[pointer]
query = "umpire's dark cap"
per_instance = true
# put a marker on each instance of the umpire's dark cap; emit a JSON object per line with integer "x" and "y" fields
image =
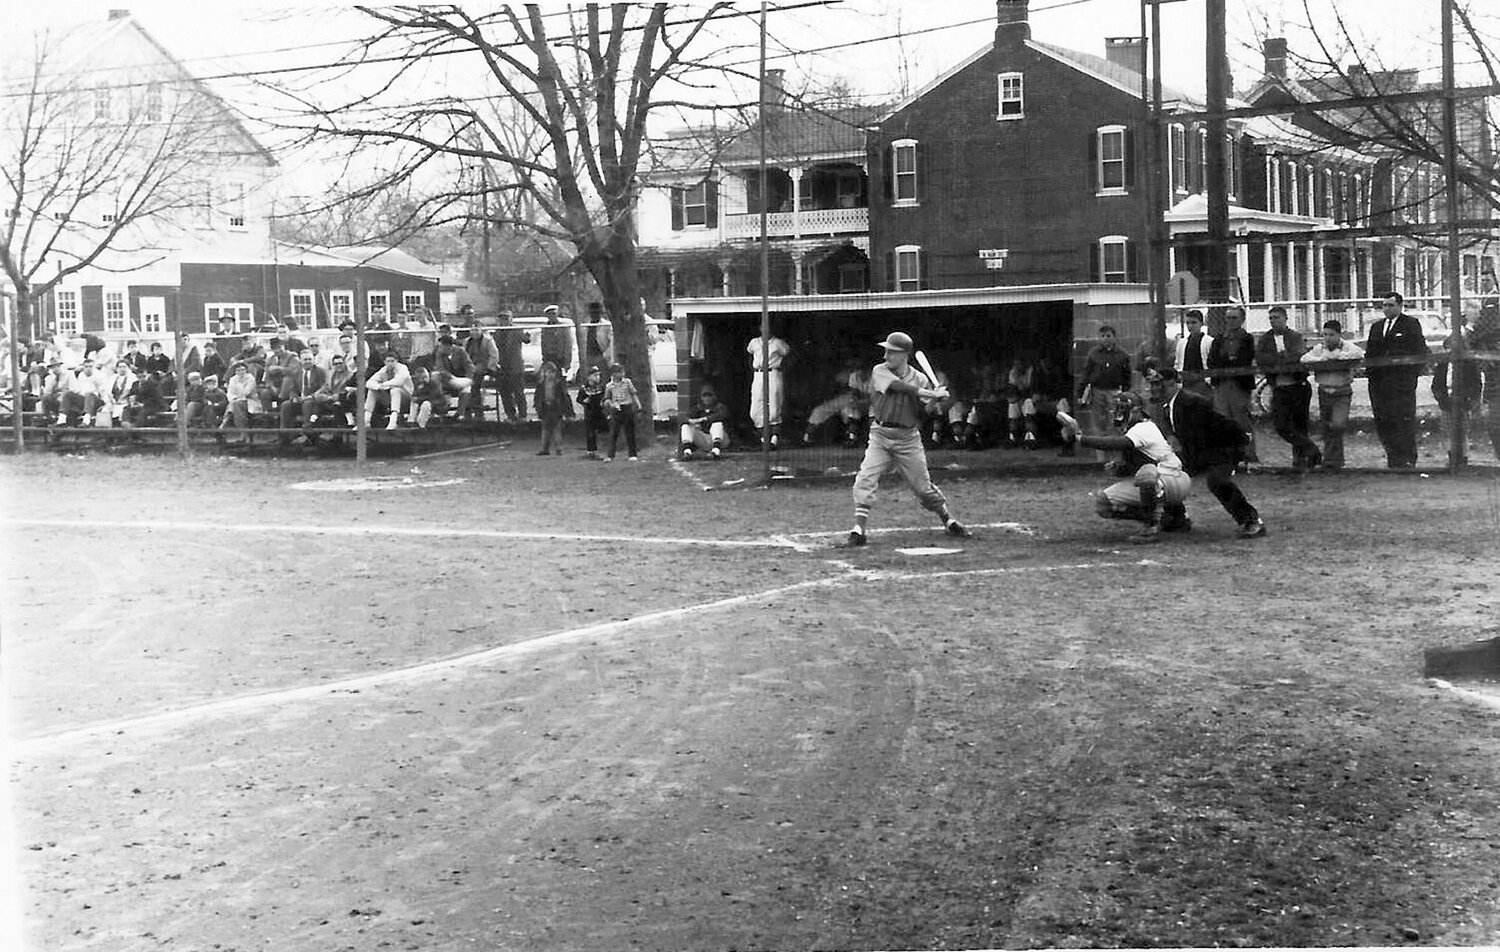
{"x": 896, "y": 340}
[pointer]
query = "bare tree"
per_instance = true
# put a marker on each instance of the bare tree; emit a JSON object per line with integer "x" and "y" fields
{"x": 98, "y": 173}
{"x": 543, "y": 122}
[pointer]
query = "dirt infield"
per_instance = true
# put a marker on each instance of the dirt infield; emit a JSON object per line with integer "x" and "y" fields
{"x": 532, "y": 703}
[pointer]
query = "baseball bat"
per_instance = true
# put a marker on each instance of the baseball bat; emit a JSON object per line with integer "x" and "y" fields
{"x": 926, "y": 366}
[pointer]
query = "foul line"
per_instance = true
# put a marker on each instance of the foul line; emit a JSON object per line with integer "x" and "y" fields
{"x": 1474, "y": 697}
{"x": 501, "y": 444}
{"x": 1018, "y": 527}
{"x": 683, "y": 471}
{"x": 48, "y": 743}
{"x": 773, "y": 543}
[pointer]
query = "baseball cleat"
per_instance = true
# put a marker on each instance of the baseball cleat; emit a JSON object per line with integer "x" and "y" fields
{"x": 957, "y": 529}
{"x": 1254, "y": 529}
{"x": 854, "y": 540}
{"x": 687, "y": 453}
{"x": 715, "y": 453}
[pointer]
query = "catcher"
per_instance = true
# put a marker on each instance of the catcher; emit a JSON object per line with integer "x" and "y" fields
{"x": 1159, "y": 478}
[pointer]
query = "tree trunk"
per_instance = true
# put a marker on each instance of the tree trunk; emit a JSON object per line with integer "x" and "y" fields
{"x": 613, "y": 268}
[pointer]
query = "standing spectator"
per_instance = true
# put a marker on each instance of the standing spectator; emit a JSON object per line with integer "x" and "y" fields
{"x": 552, "y": 404}
{"x": 1278, "y": 354}
{"x": 1487, "y": 341}
{"x": 227, "y": 341}
{"x": 453, "y": 372}
{"x": 512, "y": 372}
{"x": 388, "y": 386}
{"x": 1457, "y": 387}
{"x": 1106, "y": 372}
{"x": 591, "y": 398}
{"x": 621, "y": 402}
{"x": 599, "y": 338}
{"x": 1209, "y": 445}
{"x": 1393, "y": 385}
{"x": 243, "y": 394}
{"x": 1234, "y": 350}
{"x": 484, "y": 357}
{"x": 1191, "y": 360}
{"x": 427, "y": 397}
{"x": 557, "y": 340}
{"x": 707, "y": 426}
{"x": 1333, "y": 361}
{"x": 767, "y": 354}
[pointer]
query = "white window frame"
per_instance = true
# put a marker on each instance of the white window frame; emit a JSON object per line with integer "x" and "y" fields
{"x": 69, "y": 320}
{"x": 1106, "y": 244}
{"x": 302, "y": 304}
{"x": 1102, "y": 135}
{"x": 695, "y": 205}
{"x": 340, "y": 307}
{"x": 153, "y": 108}
{"x": 152, "y": 323}
{"x": 121, "y": 322}
{"x": 244, "y": 316}
{"x": 384, "y": 297}
{"x": 1231, "y": 165}
{"x": 1011, "y": 93}
{"x": 1177, "y": 157}
{"x": 899, "y": 147}
{"x": 909, "y": 256}
{"x": 413, "y": 301}
{"x": 1203, "y": 157}
{"x": 1310, "y": 186}
{"x": 103, "y": 102}
{"x": 234, "y": 205}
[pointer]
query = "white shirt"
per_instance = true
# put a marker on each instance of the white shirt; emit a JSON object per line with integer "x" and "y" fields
{"x": 776, "y": 351}
{"x": 1147, "y": 437}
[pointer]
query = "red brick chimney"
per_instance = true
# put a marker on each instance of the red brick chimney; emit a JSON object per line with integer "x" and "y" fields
{"x": 1012, "y": 21}
{"x": 1127, "y": 51}
{"x": 1274, "y": 50}
{"x": 119, "y": 14}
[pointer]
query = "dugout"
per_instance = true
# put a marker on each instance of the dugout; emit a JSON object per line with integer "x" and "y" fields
{"x": 961, "y": 330}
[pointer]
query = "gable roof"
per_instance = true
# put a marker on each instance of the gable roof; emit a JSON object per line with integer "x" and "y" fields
{"x": 804, "y": 133}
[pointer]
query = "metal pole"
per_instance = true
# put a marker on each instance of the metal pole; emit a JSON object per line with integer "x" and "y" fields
{"x": 1457, "y": 453}
{"x": 765, "y": 273}
{"x": 180, "y": 339}
{"x": 1216, "y": 83}
{"x": 1159, "y": 197}
{"x": 359, "y": 376}
{"x": 17, "y": 397}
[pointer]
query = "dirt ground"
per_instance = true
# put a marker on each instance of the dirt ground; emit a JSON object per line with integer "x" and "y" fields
{"x": 506, "y": 702}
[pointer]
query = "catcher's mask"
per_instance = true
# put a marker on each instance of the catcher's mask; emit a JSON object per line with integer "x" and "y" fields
{"x": 1126, "y": 407}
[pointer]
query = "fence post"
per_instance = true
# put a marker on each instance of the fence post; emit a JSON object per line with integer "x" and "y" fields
{"x": 181, "y": 379}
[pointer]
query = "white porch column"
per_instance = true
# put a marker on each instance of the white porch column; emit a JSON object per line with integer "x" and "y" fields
{"x": 1398, "y": 271}
{"x": 724, "y": 277}
{"x": 1242, "y": 270}
{"x": 1355, "y": 291}
{"x": 1268, "y": 272}
{"x": 1270, "y": 187}
{"x": 1319, "y": 266}
{"x": 797, "y": 258}
{"x": 1293, "y": 282}
{"x": 796, "y": 203}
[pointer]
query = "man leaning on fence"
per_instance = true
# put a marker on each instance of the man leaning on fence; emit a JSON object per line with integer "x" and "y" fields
{"x": 1394, "y": 353}
{"x": 1333, "y": 362}
{"x": 1278, "y": 354}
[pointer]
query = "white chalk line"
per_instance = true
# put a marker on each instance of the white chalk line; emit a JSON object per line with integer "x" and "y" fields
{"x": 1017, "y": 527}
{"x": 690, "y": 476}
{"x": 1476, "y": 697}
{"x": 48, "y": 743}
{"x": 501, "y": 444}
{"x": 432, "y": 533}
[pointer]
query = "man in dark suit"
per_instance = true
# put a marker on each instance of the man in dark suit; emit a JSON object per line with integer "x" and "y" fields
{"x": 299, "y": 389}
{"x": 1210, "y": 444}
{"x": 1291, "y": 396}
{"x": 1392, "y": 370}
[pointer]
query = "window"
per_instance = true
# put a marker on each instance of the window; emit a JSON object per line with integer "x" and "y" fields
{"x": 379, "y": 305}
{"x": 904, "y": 167}
{"x": 1471, "y": 273}
{"x": 695, "y": 206}
{"x": 234, "y": 204}
{"x": 67, "y": 311}
{"x": 114, "y": 311}
{"x": 413, "y": 301}
{"x": 908, "y": 268}
{"x": 101, "y": 103}
{"x": 1361, "y": 199}
{"x": 1309, "y": 190}
{"x": 1114, "y": 259}
{"x": 1177, "y": 146}
{"x": 151, "y": 322}
{"x": 1203, "y": 159}
{"x": 107, "y": 218}
{"x": 1328, "y": 195}
{"x": 243, "y": 314}
{"x": 153, "y": 102}
{"x": 302, "y": 308}
{"x": 340, "y": 307}
{"x": 1231, "y": 166}
{"x": 1112, "y": 168}
{"x": 1012, "y": 97}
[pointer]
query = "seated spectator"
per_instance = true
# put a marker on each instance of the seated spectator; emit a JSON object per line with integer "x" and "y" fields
{"x": 1020, "y": 408}
{"x": 56, "y": 386}
{"x": 454, "y": 372}
{"x": 988, "y": 409}
{"x": 243, "y": 394}
{"x": 159, "y": 363}
{"x": 321, "y": 357}
{"x": 145, "y": 401}
{"x": 133, "y": 354}
{"x": 254, "y": 356}
{"x": 427, "y": 397}
{"x": 206, "y": 402}
{"x": 89, "y": 394}
{"x": 298, "y": 394}
{"x": 116, "y": 391}
{"x": 1050, "y": 389}
{"x": 334, "y": 402}
{"x": 850, "y": 405}
{"x": 386, "y": 388}
{"x": 484, "y": 357}
{"x": 707, "y": 426}
{"x": 280, "y": 363}
{"x": 288, "y": 332}
{"x": 213, "y": 364}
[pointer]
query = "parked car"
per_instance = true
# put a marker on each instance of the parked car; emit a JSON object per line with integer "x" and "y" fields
{"x": 663, "y": 358}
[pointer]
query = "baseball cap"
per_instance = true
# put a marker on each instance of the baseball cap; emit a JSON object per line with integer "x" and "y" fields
{"x": 896, "y": 340}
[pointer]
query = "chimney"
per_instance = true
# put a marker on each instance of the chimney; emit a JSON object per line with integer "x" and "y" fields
{"x": 119, "y": 14}
{"x": 1012, "y": 21}
{"x": 1274, "y": 50}
{"x": 773, "y": 90}
{"x": 1126, "y": 51}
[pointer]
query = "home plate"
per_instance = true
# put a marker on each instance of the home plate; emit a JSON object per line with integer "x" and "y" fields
{"x": 928, "y": 550}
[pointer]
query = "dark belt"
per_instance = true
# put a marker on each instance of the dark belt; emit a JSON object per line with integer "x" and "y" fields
{"x": 896, "y": 426}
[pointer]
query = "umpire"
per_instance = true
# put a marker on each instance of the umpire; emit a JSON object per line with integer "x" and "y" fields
{"x": 1210, "y": 444}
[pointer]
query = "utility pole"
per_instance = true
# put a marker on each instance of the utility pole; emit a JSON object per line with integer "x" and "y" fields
{"x": 1216, "y": 284}
{"x": 1457, "y": 453}
{"x": 1157, "y": 229}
